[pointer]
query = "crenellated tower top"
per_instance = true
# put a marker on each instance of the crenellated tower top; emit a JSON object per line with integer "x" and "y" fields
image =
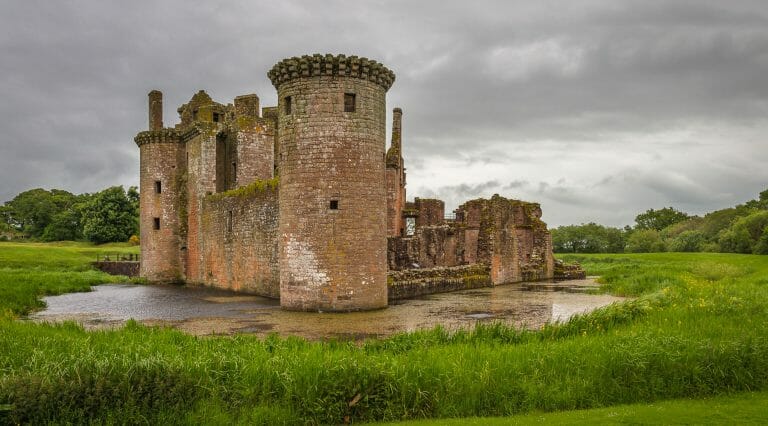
{"x": 331, "y": 65}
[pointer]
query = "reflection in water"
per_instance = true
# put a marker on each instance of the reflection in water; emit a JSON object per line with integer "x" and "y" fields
{"x": 210, "y": 311}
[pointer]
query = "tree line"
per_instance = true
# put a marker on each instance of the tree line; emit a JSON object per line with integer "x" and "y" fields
{"x": 111, "y": 215}
{"x": 739, "y": 229}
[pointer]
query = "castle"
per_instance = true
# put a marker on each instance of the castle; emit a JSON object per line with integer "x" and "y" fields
{"x": 304, "y": 201}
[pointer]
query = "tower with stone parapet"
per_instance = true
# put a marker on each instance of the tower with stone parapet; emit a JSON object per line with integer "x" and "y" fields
{"x": 161, "y": 163}
{"x": 332, "y": 206}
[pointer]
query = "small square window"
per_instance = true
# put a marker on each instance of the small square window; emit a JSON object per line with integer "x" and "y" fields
{"x": 215, "y": 117}
{"x": 349, "y": 102}
{"x": 287, "y": 103}
{"x": 158, "y": 187}
{"x": 334, "y": 205}
{"x": 157, "y": 223}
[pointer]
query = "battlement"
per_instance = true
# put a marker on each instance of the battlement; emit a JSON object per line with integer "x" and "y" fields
{"x": 329, "y": 65}
{"x": 158, "y": 136}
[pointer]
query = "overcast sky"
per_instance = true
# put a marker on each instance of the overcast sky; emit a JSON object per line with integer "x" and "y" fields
{"x": 598, "y": 110}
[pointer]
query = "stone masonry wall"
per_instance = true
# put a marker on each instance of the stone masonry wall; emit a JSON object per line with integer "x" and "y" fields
{"x": 201, "y": 181}
{"x": 418, "y": 282}
{"x": 332, "y": 227}
{"x": 161, "y": 160}
{"x": 239, "y": 239}
{"x": 506, "y": 235}
{"x": 431, "y": 212}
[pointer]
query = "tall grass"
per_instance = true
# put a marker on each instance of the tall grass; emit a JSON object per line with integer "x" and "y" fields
{"x": 31, "y": 270}
{"x": 697, "y": 328}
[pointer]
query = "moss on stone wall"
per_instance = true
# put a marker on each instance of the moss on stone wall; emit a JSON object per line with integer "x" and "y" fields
{"x": 181, "y": 190}
{"x": 257, "y": 187}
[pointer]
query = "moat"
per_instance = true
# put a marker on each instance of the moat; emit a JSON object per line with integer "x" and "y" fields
{"x": 206, "y": 311}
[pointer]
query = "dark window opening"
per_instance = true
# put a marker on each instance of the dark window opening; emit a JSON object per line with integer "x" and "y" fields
{"x": 158, "y": 187}
{"x": 157, "y": 223}
{"x": 234, "y": 171}
{"x": 334, "y": 205}
{"x": 229, "y": 221}
{"x": 194, "y": 114}
{"x": 215, "y": 117}
{"x": 287, "y": 102}
{"x": 349, "y": 102}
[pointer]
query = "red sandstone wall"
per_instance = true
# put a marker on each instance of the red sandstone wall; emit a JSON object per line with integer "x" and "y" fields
{"x": 201, "y": 181}
{"x": 431, "y": 212}
{"x": 395, "y": 202}
{"x": 160, "y": 258}
{"x": 239, "y": 242}
{"x": 332, "y": 259}
{"x": 255, "y": 151}
{"x": 507, "y": 235}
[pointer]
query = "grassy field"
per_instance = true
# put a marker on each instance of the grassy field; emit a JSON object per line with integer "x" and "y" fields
{"x": 31, "y": 270}
{"x": 743, "y": 408}
{"x": 696, "y": 329}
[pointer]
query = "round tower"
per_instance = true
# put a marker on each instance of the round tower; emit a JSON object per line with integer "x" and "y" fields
{"x": 332, "y": 222}
{"x": 160, "y": 167}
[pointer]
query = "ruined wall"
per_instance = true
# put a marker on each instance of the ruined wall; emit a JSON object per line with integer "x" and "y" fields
{"x": 419, "y": 282}
{"x": 507, "y": 235}
{"x": 200, "y": 181}
{"x": 255, "y": 140}
{"x": 520, "y": 247}
{"x": 238, "y": 243}
{"x": 332, "y": 227}
{"x": 431, "y": 212}
{"x": 395, "y": 175}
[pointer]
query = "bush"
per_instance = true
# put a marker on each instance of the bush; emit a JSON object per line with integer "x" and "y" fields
{"x": 645, "y": 241}
{"x": 134, "y": 240}
{"x": 688, "y": 241}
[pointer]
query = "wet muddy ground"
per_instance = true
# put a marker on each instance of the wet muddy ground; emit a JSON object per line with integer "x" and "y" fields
{"x": 205, "y": 311}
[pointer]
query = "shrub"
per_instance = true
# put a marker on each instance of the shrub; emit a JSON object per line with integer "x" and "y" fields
{"x": 688, "y": 241}
{"x": 645, "y": 241}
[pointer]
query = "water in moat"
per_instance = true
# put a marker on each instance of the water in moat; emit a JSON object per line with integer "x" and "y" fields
{"x": 204, "y": 311}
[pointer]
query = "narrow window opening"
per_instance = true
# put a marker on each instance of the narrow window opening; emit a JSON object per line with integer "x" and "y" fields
{"x": 334, "y": 205}
{"x": 158, "y": 187}
{"x": 215, "y": 117}
{"x": 287, "y": 105}
{"x": 194, "y": 114}
{"x": 157, "y": 223}
{"x": 234, "y": 171}
{"x": 410, "y": 226}
{"x": 229, "y": 221}
{"x": 349, "y": 102}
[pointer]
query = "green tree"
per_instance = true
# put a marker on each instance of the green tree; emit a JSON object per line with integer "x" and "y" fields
{"x": 587, "y": 238}
{"x": 688, "y": 241}
{"x": 645, "y": 241}
{"x": 746, "y": 234}
{"x": 659, "y": 219}
{"x": 110, "y": 216}
{"x": 32, "y": 211}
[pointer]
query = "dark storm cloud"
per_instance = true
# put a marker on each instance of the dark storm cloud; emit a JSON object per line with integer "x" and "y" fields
{"x": 615, "y": 107}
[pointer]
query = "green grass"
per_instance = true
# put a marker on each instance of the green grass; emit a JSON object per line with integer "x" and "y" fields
{"x": 31, "y": 270}
{"x": 743, "y": 408}
{"x": 696, "y": 329}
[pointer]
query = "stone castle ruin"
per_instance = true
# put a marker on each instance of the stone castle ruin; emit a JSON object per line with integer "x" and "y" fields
{"x": 303, "y": 201}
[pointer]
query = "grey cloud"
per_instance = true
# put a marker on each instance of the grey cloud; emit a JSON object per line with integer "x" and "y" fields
{"x": 600, "y": 93}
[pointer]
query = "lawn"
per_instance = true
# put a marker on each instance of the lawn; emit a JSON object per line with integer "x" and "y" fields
{"x": 695, "y": 329}
{"x": 31, "y": 270}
